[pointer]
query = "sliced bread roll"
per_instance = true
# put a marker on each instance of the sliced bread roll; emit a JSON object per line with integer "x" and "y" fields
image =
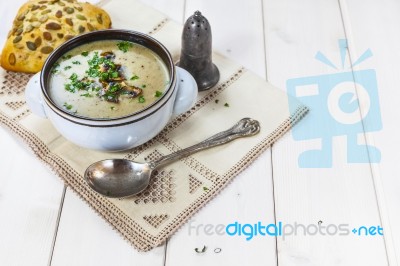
{"x": 40, "y": 26}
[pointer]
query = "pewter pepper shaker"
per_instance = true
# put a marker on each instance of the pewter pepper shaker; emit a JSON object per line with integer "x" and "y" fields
{"x": 196, "y": 53}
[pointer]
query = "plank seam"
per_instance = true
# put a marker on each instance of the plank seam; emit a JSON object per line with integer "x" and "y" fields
{"x": 53, "y": 244}
{"x": 165, "y": 252}
{"x": 374, "y": 169}
{"x": 274, "y": 200}
{"x": 167, "y": 240}
{"x": 272, "y": 146}
{"x": 264, "y": 40}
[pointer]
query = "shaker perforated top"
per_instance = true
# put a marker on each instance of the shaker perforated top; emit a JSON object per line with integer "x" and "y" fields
{"x": 196, "y": 53}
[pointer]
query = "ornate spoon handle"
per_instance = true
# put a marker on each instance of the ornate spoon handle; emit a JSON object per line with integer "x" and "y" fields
{"x": 244, "y": 128}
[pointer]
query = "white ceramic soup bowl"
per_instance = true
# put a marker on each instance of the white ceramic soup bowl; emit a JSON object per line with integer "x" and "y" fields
{"x": 113, "y": 134}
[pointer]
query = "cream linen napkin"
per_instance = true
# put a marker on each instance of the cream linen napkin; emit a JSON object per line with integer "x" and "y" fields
{"x": 182, "y": 188}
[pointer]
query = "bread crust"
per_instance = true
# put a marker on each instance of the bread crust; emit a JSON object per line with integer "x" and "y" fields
{"x": 42, "y": 25}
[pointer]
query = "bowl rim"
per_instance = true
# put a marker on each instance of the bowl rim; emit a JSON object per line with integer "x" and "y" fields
{"x": 109, "y": 34}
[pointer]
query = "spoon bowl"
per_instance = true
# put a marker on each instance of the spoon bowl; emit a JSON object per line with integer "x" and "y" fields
{"x": 118, "y": 178}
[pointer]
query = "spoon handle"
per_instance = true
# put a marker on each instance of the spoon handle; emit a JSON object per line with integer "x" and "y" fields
{"x": 244, "y": 128}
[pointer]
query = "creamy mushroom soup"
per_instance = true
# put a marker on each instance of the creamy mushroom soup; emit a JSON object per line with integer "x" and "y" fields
{"x": 108, "y": 79}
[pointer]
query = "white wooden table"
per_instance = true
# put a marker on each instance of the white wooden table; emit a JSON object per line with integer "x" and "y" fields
{"x": 44, "y": 223}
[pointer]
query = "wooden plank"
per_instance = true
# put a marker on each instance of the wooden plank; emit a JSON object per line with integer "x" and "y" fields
{"x": 236, "y": 30}
{"x": 374, "y": 27}
{"x": 342, "y": 194}
{"x": 30, "y": 194}
{"x": 247, "y": 200}
{"x": 83, "y": 238}
{"x": 30, "y": 198}
{"x": 172, "y": 8}
{"x": 237, "y": 33}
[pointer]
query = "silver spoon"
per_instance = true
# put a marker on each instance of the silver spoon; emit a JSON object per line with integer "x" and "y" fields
{"x": 118, "y": 178}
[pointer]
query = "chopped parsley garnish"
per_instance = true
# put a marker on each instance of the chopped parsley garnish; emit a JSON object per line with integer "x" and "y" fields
{"x": 67, "y": 67}
{"x": 69, "y": 87}
{"x": 68, "y": 106}
{"x": 102, "y": 67}
{"x": 76, "y": 62}
{"x": 92, "y": 72}
{"x": 55, "y": 68}
{"x": 95, "y": 60}
{"x": 112, "y": 93}
{"x": 114, "y": 87}
{"x": 76, "y": 84}
{"x": 206, "y": 189}
{"x": 73, "y": 77}
{"x": 85, "y": 53}
{"x": 94, "y": 65}
{"x": 226, "y": 104}
{"x": 143, "y": 86}
{"x": 216, "y": 101}
{"x": 201, "y": 250}
{"x": 112, "y": 107}
{"x": 109, "y": 64}
{"x": 104, "y": 76}
{"x": 124, "y": 46}
{"x": 104, "y": 79}
{"x": 158, "y": 94}
{"x": 66, "y": 56}
{"x": 217, "y": 250}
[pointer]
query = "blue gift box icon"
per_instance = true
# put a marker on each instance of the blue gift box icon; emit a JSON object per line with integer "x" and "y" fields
{"x": 334, "y": 111}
